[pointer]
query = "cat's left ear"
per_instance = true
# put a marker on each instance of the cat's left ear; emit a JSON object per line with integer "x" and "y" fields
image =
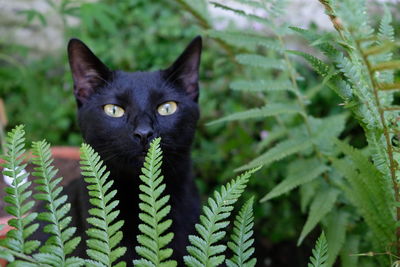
{"x": 185, "y": 70}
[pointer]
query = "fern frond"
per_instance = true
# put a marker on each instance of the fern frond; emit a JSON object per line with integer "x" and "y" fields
{"x": 262, "y": 86}
{"x": 105, "y": 234}
{"x": 259, "y": 61}
{"x": 17, "y": 196}
{"x": 244, "y": 14}
{"x": 62, "y": 242}
{"x": 300, "y": 172}
{"x": 266, "y": 111}
{"x": 204, "y": 250}
{"x": 249, "y": 41}
{"x": 153, "y": 238}
{"x": 241, "y": 238}
{"x": 336, "y": 234}
{"x": 322, "y": 204}
{"x": 281, "y": 150}
{"x": 320, "y": 253}
{"x": 369, "y": 191}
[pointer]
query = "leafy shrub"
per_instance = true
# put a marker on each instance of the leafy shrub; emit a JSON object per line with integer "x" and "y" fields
{"x": 104, "y": 234}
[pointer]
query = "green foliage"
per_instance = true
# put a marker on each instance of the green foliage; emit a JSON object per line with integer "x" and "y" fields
{"x": 204, "y": 250}
{"x": 242, "y": 238}
{"x": 319, "y": 253}
{"x": 18, "y": 194}
{"x": 358, "y": 66}
{"x": 153, "y": 238}
{"x": 61, "y": 243}
{"x": 105, "y": 234}
{"x": 299, "y": 172}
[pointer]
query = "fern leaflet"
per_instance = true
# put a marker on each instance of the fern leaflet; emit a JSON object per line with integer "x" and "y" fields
{"x": 17, "y": 196}
{"x": 154, "y": 207}
{"x": 281, "y": 150}
{"x": 261, "y": 86}
{"x": 260, "y": 61}
{"x": 322, "y": 204}
{"x": 266, "y": 111}
{"x": 300, "y": 172}
{"x": 105, "y": 234}
{"x": 242, "y": 241}
{"x": 203, "y": 249}
{"x": 320, "y": 253}
{"x": 336, "y": 234}
{"x": 61, "y": 243}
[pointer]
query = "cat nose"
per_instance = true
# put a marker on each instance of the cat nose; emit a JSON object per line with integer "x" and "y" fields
{"x": 143, "y": 134}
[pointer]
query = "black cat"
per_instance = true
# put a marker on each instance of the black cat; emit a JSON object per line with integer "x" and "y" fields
{"x": 119, "y": 113}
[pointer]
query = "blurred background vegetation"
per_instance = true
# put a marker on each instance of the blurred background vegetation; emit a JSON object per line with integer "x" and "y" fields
{"x": 36, "y": 86}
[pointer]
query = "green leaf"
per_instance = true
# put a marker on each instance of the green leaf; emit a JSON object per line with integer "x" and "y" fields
{"x": 101, "y": 247}
{"x": 50, "y": 186}
{"x": 261, "y": 86}
{"x": 241, "y": 238}
{"x": 260, "y": 61}
{"x": 17, "y": 196}
{"x": 336, "y": 235}
{"x": 319, "y": 253}
{"x": 281, "y": 150}
{"x": 299, "y": 172}
{"x": 245, "y": 40}
{"x": 266, "y": 111}
{"x": 203, "y": 250}
{"x": 322, "y": 204}
{"x": 154, "y": 206}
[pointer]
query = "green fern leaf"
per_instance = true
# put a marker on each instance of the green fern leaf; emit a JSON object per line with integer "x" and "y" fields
{"x": 368, "y": 191}
{"x": 320, "y": 253}
{"x": 244, "y": 14}
{"x": 281, "y": 150}
{"x": 260, "y": 61}
{"x": 262, "y": 86}
{"x": 322, "y": 204}
{"x": 336, "y": 235}
{"x": 246, "y": 40}
{"x": 203, "y": 250}
{"x": 320, "y": 67}
{"x": 102, "y": 248}
{"x": 299, "y": 172}
{"x": 386, "y": 31}
{"x": 61, "y": 244}
{"x": 153, "y": 238}
{"x": 17, "y": 196}
{"x": 266, "y": 111}
{"x": 241, "y": 238}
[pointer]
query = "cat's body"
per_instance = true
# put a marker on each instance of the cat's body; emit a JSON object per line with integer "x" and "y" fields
{"x": 153, "y": 104}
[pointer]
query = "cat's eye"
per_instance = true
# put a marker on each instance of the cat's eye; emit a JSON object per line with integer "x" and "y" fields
{"x": 167, "y": 108}
{"x": 113, "y": 110}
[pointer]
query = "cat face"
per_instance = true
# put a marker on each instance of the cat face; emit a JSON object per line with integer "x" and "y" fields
{"x": 119, "y": 112}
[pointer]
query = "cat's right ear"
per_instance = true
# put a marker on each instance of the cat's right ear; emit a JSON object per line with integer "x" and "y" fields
{"x": 88, "y": 72}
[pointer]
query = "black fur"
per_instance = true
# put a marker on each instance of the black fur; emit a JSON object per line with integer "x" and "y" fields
{"x": 120, "y": 146}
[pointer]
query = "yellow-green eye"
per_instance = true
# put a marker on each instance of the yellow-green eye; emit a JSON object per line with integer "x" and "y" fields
{"x": 167, "y": 108}
{"x": 113, "y": 110}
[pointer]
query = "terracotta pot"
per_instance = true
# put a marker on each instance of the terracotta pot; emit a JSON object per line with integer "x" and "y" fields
{"x": 60, "y": 154}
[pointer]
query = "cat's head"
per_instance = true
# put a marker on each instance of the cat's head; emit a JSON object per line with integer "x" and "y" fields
{"x": 120, "y": 112}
